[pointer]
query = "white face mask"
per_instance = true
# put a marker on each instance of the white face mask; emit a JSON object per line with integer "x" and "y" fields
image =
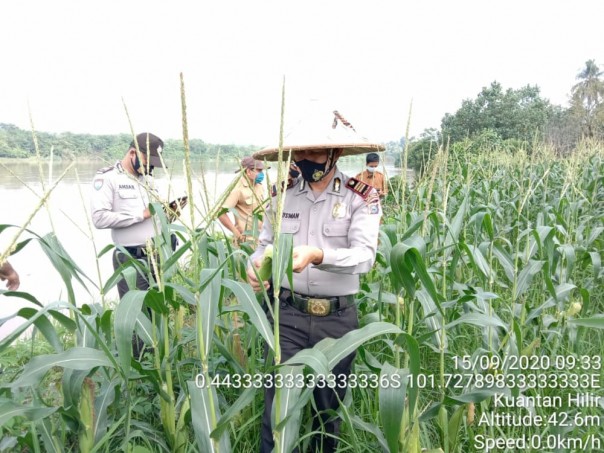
{"x": 371, "y": 169}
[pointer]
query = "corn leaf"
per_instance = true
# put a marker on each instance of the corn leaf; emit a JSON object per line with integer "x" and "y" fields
{"x": 126, "y": 314}
{"x": 247, "y": 299}
{"x": 336, "y": 350}
{"x": 526, "y": 277}
{"x": 595, "y": 322}
{"x": 74, "y": 358}
{"x": 10, "y": 409}
{"x": 392, "y": 403}
{"x": 202, "y": 414}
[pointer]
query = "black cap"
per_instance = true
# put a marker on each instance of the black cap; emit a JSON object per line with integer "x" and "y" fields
{"x": 372, "y": 157}
{"x": 156, "y": 146}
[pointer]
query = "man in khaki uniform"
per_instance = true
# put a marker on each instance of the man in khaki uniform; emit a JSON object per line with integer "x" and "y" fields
{"x": 334, "y": 222}
{"x": 373, "y": 177}
{"x": 245, "y": 199}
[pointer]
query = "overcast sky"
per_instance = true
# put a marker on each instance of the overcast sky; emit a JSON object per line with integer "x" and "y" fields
{"x": 70, "y": 63}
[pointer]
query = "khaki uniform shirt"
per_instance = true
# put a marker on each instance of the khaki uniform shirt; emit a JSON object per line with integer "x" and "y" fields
{"x": 245, "y": 200}
{"x": 375, "y": 179}
{"x": 117, "y": 201}
{"x": 340, "y": 221}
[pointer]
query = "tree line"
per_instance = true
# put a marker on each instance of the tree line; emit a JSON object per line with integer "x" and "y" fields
{"x": 518, "y": 119}
{"x": 19, "y": 143}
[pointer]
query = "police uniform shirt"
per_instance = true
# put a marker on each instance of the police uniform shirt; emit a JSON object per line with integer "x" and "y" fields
{"x": 118, "y": 200}
{"x": 340, "y": 221}
{"x": 244, "y": 199}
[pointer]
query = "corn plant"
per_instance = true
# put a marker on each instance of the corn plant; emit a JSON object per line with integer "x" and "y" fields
{"x": 484, "y": 258}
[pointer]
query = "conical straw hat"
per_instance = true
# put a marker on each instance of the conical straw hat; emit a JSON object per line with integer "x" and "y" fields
{"x": 321, "y": 131}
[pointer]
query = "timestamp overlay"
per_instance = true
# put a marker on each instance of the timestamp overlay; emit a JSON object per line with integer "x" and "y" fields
{"x": 537, "y": 403}
{"x": 523, "y": 403}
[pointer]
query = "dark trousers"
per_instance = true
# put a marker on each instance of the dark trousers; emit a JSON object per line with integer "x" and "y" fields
{"x": 119, "y": 258}
{"x": 299, "y": 331}
{"x": 142, "y": 283}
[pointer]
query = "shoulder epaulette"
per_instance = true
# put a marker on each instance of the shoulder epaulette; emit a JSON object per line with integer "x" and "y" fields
{"x": 359, "y": 187}
{"x": 291, "y": 182}
{"x": 105, "y": 170}
{"x": 289, "y": 186}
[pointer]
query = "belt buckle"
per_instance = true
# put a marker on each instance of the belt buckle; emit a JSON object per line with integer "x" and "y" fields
{"x": 318, "y": 307}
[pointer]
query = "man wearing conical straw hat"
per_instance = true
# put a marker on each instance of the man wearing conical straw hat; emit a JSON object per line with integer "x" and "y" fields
{"x": 334, "y": 221}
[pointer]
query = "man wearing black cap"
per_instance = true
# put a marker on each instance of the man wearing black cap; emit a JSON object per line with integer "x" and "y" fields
{"x": 120, "y": 201}
{"x": 373, "y": 177}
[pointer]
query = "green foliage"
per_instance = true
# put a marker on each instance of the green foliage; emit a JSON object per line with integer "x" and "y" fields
{"x": 519, "y": 114}
{"x": 489, "y": 256}
{"x": 563, "y": 131}
{"x": 19, "y": 143}
{"x": 421, "y": 151}
{"x": 587, "y": 100}
{"x": 512, "y": 120}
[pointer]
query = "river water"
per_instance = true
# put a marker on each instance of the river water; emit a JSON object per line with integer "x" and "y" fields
{"x": 67, "y": 214}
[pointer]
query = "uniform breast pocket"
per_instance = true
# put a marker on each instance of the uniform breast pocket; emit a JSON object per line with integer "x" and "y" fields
{"x": 248, "y": 201}
{"x": 127, "y": 193}
{"x": 336, "y": 229}
{"x": 290, "y": 227}
{"x": 128, "y": 197}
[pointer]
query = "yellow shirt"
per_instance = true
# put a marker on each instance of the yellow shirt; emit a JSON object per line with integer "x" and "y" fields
{"x": 376, "y": 180}
{"x": 245, "y": 200}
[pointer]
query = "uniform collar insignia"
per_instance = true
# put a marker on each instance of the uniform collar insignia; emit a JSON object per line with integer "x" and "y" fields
{"x": 337, "y": 182}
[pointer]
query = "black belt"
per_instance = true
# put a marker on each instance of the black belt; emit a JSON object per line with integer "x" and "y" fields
{"x": 137, "y": 252}
{"x": 140, "y": 251}
{"x": 318, "y": 306}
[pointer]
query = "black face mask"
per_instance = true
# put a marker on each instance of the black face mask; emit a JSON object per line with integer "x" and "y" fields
{"x": 141, "y": 169}
{"x": 311, "y": 171}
